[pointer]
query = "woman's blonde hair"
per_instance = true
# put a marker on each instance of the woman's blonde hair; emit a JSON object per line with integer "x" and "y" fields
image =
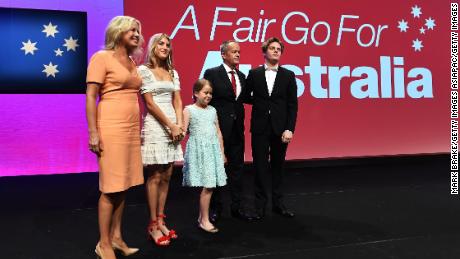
{"x": 117, "y": 27}
{"x": 150, "y": 59}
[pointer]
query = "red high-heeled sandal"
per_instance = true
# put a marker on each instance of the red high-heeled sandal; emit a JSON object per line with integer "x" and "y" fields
{"x": 172, "y": 233}
{"x": 162, "y": 241}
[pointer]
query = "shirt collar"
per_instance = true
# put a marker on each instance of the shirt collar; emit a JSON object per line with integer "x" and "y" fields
{"x": 267, "y": 68}
{"x": 228, "y": 69}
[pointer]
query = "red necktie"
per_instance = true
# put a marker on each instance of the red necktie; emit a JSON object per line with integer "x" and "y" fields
{"x": 233, "y": 81}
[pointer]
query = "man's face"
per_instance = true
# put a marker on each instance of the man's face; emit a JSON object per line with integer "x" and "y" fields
{"x": 231, "y": 57}
{"x": 273, "y": 53}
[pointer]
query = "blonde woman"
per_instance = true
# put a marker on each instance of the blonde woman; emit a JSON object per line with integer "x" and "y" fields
{"x": 162, "y": 131}
{"x": 114, "y": 127}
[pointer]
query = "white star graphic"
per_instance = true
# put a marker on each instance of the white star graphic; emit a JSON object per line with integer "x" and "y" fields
{"x": 429, "y": 23}
{"x": 417, "y": 45}
{"x": 71, "y": 44}
{"x": 58, "y": 52}
{"x": 422, "y": 30}
{"x": 403, "y": 26}
{"x": 50, "y": 70}
{"x": 416, "y": 11}
{"x": 50, "y": 30}
{"x": 29, "y": 47}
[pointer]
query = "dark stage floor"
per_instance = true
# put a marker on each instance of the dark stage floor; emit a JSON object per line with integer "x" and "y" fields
{"x": 379, "y": 208}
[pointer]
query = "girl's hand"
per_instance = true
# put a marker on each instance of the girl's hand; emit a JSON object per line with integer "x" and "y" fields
{"x": 225, "y": 160}
{"x": 94, "y": 144}
{"x": 181, "y": 126}
{"x": 182, "y": 136}
{"x": 176, "y": 133}
{"x": 182, "y": 129}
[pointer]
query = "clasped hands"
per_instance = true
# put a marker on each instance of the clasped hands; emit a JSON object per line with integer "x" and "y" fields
{"x": 177, "y": 133}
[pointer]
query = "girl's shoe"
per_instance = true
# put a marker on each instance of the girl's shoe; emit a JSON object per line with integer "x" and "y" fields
{"x": 208, "y": 230}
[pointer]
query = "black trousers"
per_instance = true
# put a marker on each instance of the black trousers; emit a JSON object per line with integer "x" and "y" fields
{"x": 264, "y": 146}
{"x": 234, "y": 150}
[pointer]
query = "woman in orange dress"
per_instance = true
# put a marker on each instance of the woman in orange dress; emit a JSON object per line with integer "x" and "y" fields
{"x": 114, "y": 127}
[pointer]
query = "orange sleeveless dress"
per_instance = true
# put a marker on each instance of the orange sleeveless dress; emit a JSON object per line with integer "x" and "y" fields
{"x": 118, "y": 122}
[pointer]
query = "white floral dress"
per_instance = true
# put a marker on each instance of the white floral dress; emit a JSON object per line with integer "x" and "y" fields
{"x": 157, "y": 146}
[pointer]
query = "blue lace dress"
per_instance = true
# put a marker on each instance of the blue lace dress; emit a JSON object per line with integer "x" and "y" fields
{"x": 203, "y": 159}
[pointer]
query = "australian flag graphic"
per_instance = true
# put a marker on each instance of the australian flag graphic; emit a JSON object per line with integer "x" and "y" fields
{"x": 42, "y": 51}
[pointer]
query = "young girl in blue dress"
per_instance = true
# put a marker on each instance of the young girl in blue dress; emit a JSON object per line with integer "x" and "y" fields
{"x": 204, "y": 154}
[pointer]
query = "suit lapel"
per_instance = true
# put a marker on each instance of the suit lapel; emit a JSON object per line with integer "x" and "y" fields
{"x": 262, "y": 72}
{"x": 241, "y": 77}
{"x": 277, "y": 79}
{"x": 224, "y": 77}
{"x": 242, "y": 81}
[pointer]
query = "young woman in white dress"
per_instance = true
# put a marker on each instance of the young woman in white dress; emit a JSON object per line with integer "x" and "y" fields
{"x": 162, "y": 131}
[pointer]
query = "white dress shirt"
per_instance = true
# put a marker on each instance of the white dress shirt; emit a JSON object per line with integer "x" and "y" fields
{"x": 270, "y": 76}
{"x": 237, "y": 78}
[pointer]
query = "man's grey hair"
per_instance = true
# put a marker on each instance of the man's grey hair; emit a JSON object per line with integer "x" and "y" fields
{"x": 225, "y": 44}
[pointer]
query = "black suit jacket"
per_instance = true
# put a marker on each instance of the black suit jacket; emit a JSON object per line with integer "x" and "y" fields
{"x": 230, "y": 110}
{"x": 280, "y": 107}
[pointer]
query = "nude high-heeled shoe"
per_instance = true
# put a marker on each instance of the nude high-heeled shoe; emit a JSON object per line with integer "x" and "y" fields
{"x": 125, "y": 251}
{"x": 98, "y": 251}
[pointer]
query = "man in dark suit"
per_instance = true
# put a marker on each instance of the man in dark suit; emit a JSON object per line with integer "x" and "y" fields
{"x": 272, "y": 91}
{"x": 227, "y": 83}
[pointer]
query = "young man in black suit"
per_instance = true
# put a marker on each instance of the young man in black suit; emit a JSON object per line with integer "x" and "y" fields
{"x": 272, "y": 91}
{"x": 227, "y": 83}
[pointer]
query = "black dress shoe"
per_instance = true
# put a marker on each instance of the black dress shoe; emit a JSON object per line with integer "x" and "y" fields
{"x": 260, "y": 214}
{"x": 283, "y": 211}
{"x": 214, "y": 216}
{"x": 241, "y": 214}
